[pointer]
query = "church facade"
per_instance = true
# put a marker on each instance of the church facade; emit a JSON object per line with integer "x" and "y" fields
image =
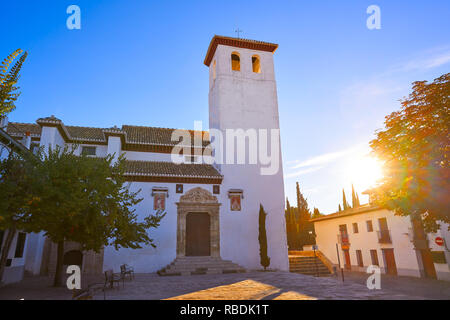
{"x": 211, "y": 206}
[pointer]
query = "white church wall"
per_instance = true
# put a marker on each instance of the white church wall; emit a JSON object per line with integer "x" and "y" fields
{"x": 149, "y": 259}
{"x": 154, "y": 156}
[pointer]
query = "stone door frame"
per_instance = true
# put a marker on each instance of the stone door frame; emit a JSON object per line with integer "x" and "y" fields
{"x": 198, "y": 200}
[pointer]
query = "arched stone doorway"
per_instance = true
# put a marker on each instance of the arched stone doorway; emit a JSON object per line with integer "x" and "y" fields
{"x": 198, "y": 232}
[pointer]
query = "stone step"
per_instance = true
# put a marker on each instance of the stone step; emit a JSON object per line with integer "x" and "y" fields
{"x": 200, "y": 265}
{"x": 200, "y": 272}
{"x": 188, "y": 269}
{"x": 203, "y": 265}
{"x": 308, "y": 265}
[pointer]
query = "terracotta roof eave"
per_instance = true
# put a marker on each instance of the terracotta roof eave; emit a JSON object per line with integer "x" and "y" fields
{"x": 171, "y": 175}
{"x": 337, "y": 215}
{"x": 237, "y": 42}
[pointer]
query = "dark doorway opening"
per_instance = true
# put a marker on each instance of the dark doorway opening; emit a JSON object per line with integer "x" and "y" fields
{"x": 198, "y": 239}
{"x": 73, "y": 257}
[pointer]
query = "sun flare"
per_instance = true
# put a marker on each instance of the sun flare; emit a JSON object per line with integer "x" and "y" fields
{"x": 364, "y": 171}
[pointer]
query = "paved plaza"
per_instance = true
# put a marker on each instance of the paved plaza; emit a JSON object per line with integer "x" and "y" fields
{"x": 241, "y": 286}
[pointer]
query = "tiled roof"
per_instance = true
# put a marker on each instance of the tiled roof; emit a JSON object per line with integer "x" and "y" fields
{"x": 132, "y": 134}
{"x": 86, "y": 133}
{"x": 349, "y": 212}
{"x": 239, "y": 43}
{"x": 20, "y": 129}
{"x": 152, "y": 135}
{"x": 169, "y": 169}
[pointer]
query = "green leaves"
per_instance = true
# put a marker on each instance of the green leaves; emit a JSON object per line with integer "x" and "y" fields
{"x": 83, "y": 199}
{"x": 73, "y": 198}
{"x": 8, "y": 80}
{"x": 415, "y": 146}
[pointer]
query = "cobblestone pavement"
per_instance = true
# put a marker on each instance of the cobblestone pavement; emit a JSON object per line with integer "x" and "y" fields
{"x": 241, "y": 286}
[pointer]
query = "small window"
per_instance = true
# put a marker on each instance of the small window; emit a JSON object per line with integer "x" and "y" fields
{"x": 256, "y": 64}
{"x": 355, "y": 228}
{"x": 216, "y": 189}
{"x": 21, "y": 237}
{"x": 374, "y": 256}
{"x": 235, "y": 62}
{"x": 179, "y": 188}
{"x": 88, "y": 151}
{"x": 369, "y": 226}
{"x": 214, "y": 70}
{"x": 359, "y": 258}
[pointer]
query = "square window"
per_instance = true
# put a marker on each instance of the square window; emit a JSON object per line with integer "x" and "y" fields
{"x": 374, "y": 256}
{"x": 21, "y": 237}
{"x": 216, "y": 189}
{"x": 369, "y": 226}
{"x": 88, "y": 151}
{"x": 359, "y": 258}
{"x": 179, "y": 188}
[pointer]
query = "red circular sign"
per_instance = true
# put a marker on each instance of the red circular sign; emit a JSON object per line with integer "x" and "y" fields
{"x": 439, "y": 241}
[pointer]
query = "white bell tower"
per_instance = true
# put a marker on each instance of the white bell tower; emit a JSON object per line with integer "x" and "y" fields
{"x": 243, "y": 96}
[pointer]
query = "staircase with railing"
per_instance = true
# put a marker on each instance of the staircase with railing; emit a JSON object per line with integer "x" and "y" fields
{"x": 309, "y": 263}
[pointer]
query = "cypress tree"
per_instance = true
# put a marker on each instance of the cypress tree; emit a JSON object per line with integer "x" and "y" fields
{"x": 355, "y": 199}
{"x": 340, "y": 207}
{"x": 265, "y": 260}
{"x": 344, "y": 200}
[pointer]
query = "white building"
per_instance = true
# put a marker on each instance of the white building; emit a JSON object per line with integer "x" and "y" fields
{"x": 368, "y": 235}
{"x": 212, "y": 209}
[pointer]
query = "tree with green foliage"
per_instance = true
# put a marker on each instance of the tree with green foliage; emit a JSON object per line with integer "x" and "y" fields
{"x": 339, "y": 208}
{"x": 84, "y": 200}
{"x": 16, "y": 198}
{"x": 8, "y": 81}
{"x": 264, "y": 258}
{"x": 414, "y": 146}
{"x": 290, "y": 225}
{"x": 316, "y": 213}
{"x": 344, "y": 201}
{"x": 355, "y": 198}
{"x": 304, "y": 226}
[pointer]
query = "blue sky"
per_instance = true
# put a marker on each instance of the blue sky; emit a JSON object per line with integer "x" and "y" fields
{"x": 141, "y": 62}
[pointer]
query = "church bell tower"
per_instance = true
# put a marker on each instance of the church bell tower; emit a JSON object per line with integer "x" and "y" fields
{"x": 243, "y": 105}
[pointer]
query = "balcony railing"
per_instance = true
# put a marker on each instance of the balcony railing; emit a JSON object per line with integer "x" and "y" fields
{"x": 343, "y": 238}
{"x": 384, "y": 236}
